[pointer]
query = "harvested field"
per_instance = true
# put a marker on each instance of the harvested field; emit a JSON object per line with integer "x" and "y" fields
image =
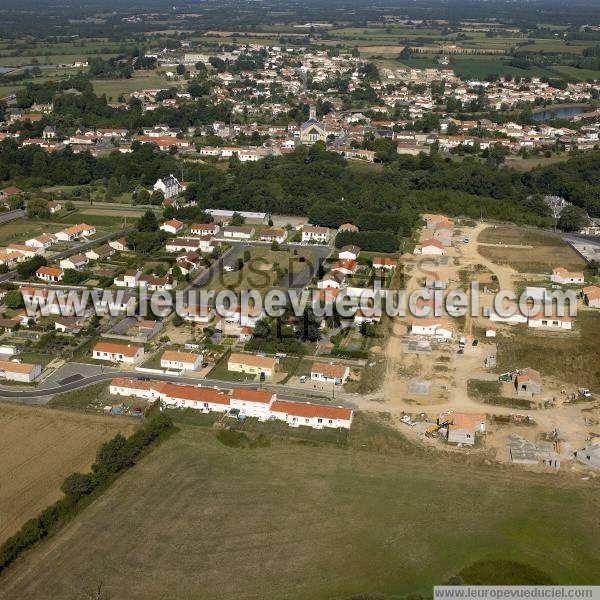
{"x": 527, "y": 250}
{"x": 198, "y": 519}
{"x": 39, "y": 447}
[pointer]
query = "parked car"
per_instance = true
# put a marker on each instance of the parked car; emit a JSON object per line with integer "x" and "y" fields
{"x": 475, "y": 342}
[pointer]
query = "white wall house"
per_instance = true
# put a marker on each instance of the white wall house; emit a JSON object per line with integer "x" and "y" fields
{"x": 329, "y": 373}
{"x": 204, "y": 229}
{"x": 259, "y": 404}
{"x": 317, "y": 416}
{"x": 169, "y": 186}
{"x": 182, "y": 361}
{"x": 252, "y": 403}
{"x": 125, "y": 353}
{"x": 16, "y": 371}
{"x": 439, "y": 328}
{"x": 562, "y": 276}
{"x": 314, "y": 233}
{"x": 172, "y": 226}
{"x": 50, "y": 274}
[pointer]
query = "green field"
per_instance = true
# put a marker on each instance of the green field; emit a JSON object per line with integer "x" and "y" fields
{"x": 197, "y": 519}
{"x": 141, "y": 80}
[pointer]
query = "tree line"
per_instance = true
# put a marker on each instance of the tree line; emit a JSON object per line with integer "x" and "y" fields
{"x": 112, "y": 458}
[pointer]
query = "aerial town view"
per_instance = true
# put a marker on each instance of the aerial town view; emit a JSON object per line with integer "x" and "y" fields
{"x": 299, "y": 301}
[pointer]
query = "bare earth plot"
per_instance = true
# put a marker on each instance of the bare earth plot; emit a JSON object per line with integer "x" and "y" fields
{"x": 195, "y": 519}
{"x": 527, "y": 250}
{"x": 38, "y": 449}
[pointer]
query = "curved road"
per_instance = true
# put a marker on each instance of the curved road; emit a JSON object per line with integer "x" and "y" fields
{"x": 283, "y": 391}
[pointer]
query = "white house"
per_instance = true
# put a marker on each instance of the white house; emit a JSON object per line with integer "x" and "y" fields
{"x": 274, "y": 234}
{"x": 252, "y": 403}
{"x": 329, "y": 373}
{"x": 169, "y": 186}
{"x": 136, "y": 388}
{"x": 50, "y": 274}
{"x": 18, "y": 371}
{"x": 182, "y": 361}
{"x": 238, "y": 233}
{"x": 552, "y": 321}
{"x": 172, "y": 226}
{"x": 104, "y": 251}
{"x": 438, "y": 327}
{"x": 349, "y": 252}
{"x": 561, "y": 275}
{"x": 432, "y": 247}
{"x": 591, "y": 296}
{"x": 129, "y": 279}
{"x": 204, "y": 229}
{"x": 125, "y": 353}
{"x": 75, "y": 232}
{"x": 187, "y": 245}
{"x": 333, "y": 279}
{"x": 307, "y": 414}
{"x": 198, "y": 398}
{"x": 43, "y": 241}
{"x": 77, "y": 261}
{"x": 314, "y": 233}
{"x": 384, "y": 262}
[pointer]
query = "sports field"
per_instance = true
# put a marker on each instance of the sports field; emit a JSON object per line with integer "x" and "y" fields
{"x": 197, "y": 519}
{"x": 38, "y": 448}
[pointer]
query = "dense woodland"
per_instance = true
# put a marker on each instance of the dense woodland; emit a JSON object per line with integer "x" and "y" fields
{"x": 325, "y": 186}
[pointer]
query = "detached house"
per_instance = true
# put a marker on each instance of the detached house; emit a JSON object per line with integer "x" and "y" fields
{"x": 173, "y": 226}
{"x": 124, "y": 353}
{"x": 169, "y": 186}
{"x": 437, "y": 327}
{"x": 183, "y": 361}
{"x": 252, "y": 364}
{"x": 430, "y": 246}
{"x": 275, "y": 234}
{"x": 329, "y": 373}
{"x": 561, "y": 275}
{"x": 591, "y": 296}
{"x": 77, "y": 262}
{"x": 21, "y": 372}
{"x": 74, "y": 233}
{"x": 462, "y": 427}
{"x": 314, "y": 233}
{"x": 204, "y": 229}
{"x": 50, "y": 274}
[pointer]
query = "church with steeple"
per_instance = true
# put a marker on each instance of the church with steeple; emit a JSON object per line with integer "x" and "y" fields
{"x": 312, "y": 131}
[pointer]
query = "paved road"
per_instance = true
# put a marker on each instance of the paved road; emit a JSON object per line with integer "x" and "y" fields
{"x": 70, "y": 384}
{"x": 11, "y": 215}
{"x": 74, "y": 250}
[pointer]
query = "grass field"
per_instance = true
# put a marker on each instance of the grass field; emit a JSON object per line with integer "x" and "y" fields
{"x": 197, "y": 519}
{"x": 141, "y": 80}
{"x": 566, "y": 358}
{"x": 20, "y": 230}
{"x": 542, "y": 250}
{"x": 38, "y": 448}
{"x": 260, "y": 272}
{"x": 106, "y": 219}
